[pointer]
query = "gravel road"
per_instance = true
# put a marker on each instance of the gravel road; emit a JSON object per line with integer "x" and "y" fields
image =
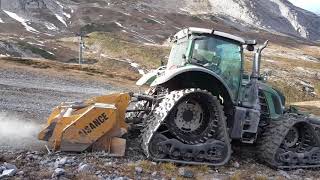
{"x": 33, "y": 94}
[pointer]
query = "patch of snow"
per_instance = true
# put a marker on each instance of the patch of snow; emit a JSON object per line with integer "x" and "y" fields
{"x": 184, "y": 10}
{"x": 50, "y": 52}
{"x": 4, "y": 55}
{"x": 141, "y": 71}
{"x": 292, "y": 17}
{"x": 125, "y": 13}
{"x": 72, "y": 11}
{"x": 119, "y": 24}
{"x": 103, "y": 55}
{"x": 51, "y": 26}
{"x": 124, "y": 31}
{"x": 144, "y": 38}
{"x": 272, "y": 61}
{"x": 60, "y": 4}
{"x": 136, "y": 66}
{"x": 1, "y": 21}
{"x": 67, "y": 15}
{"x": 158, "y": 21}
{"x": 137, "y": 35}
{"x": 178, "y": 28}
{"x": 129, "y": 61}
{"x": 61, "y": 19}
{"x": 24, "y": 22}
{"x": 32, "y": 43}
{"x": 235, "y": 9}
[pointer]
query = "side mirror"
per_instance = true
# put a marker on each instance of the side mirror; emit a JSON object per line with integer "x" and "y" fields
{"x": 250, "y": 47}
{"x": 184, "y": 56}
{"x": 161, "y": 62}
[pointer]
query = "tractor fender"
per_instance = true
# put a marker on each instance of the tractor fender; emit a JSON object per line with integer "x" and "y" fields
{"x": 170, "y": 74}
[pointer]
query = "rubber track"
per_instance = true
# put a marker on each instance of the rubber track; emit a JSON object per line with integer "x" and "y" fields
{"x": 273, "y": 137}
{"x": 159, "y": 115}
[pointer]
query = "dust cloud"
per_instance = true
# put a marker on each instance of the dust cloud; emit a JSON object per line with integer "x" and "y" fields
{"x": 17, "y": 132}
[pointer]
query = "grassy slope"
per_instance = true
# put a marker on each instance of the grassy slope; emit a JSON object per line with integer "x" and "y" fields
{"x": 283, "y": 64}
{"x": 118, "y": 47}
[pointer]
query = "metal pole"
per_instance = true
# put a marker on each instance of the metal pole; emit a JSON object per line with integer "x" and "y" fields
{"x": 80, "y": 49}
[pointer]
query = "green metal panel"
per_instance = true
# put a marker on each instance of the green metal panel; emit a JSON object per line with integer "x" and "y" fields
{"x": 274, "y": 101}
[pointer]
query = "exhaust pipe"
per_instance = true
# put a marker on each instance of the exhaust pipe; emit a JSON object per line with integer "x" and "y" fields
{"x": 257, "y": 61}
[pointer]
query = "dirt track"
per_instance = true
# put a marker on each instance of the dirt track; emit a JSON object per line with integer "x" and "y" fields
{"x": 308, "y": 103}
{"x": 33, "y": 92}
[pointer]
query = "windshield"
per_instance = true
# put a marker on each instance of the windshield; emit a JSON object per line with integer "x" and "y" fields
{"x": 178, "y": 51}
{"x": 221, "y": 55}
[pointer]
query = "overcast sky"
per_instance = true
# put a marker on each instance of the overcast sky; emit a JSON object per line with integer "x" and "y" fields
{"x": 311, "y": 5}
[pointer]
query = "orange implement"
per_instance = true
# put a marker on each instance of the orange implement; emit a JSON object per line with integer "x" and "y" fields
{"x": 95, "y": 124}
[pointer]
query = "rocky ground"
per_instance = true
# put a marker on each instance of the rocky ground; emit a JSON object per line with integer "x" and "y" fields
{"x": 29, "y": 93}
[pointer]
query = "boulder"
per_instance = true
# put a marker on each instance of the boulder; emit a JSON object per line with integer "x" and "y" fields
{"x": 9, "y": 172}
{"x": 186, "y": 173}
{"x": 84, "y": 168}
{"x": 58, "y": 172}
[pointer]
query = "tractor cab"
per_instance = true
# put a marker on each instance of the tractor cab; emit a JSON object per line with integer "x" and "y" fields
{"x": 216, "y": 51}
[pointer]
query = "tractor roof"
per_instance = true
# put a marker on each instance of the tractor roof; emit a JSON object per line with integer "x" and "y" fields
{"x": 194, "y": 30}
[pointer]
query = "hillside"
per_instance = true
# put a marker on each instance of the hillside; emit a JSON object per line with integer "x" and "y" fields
{"x": 65, "y": 16}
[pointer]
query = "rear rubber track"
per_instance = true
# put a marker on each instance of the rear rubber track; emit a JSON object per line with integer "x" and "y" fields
{"x": 271, "y": 143}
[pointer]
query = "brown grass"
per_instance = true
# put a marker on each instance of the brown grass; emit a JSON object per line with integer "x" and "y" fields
{"x": 237, "y": 176}
{"x": 169, "y": 168}
{"x": 310, "y": 109}
{"x": 291, "y": 93}
{"x": 85, "y": 176}
{"x": 117, "y": 47}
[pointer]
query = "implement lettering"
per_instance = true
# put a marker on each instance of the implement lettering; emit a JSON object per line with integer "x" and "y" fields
{"x": 94, "y": 124}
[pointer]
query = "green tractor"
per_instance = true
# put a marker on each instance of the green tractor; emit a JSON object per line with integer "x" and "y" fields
{"x": 202, "y": 99}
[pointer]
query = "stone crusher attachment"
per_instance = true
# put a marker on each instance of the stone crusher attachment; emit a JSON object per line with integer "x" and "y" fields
{"x": 95, "y": 124}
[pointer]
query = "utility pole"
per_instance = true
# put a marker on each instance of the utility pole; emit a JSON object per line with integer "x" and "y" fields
{"x": 81, "y": 46}
{"x": 81, "y": 36}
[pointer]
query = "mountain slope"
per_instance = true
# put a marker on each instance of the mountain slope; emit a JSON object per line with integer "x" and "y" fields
{"x": 34, "y": 16}
{"x": 30, "y": 28}
{"x": 54, "y": 17}
{"x": 273, "y": 15}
